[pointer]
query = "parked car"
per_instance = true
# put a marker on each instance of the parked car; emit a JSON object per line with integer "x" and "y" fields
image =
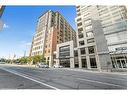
{"x": 18, "y": 63}
{"x": 58, "y": 66}
{"x": 42, "y": 65}
{"x": 2, "y": 62}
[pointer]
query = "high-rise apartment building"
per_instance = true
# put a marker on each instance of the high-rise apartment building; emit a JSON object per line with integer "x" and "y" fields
{"x": 52, "y": 29}
{"x": 100, "y": 31}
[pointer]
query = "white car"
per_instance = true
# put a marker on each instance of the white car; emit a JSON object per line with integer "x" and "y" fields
{"x": 2, "y": 62}
{"x": 42, "y": 65}
{"x": 58, "y": 66}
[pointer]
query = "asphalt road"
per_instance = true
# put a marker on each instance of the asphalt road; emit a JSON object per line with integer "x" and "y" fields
{"x": 11, "y": 81}
{"x": 49, "y": 78}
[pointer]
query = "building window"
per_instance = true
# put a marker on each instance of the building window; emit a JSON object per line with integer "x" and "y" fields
{"x": 82, "y": 51}
{"x": 119, "y": 64}
{"x": 124, "y": 63}
{"x": 91, "y": 49}
{"x": 78, "y": 10}
{"x": 79, "y": 24}
{"x": 84, "y": 62}
{"x": 93, "y": 62}
{"x": 79, "y": 14}
{"x": 79, "y": 19}
{"x": 80, "y": 35}
{"x": 89, "y": 27}
{"x": 78, "y": 7}
{"x": 87, "y": 21}
{"x": 64, "y": 51}
{"x": 80, "y": 29}
{"x": 89, "y": 34}
{"x": 81, "y": 43}
{"x": 65, "y": 48}
{"x": 104, "y": 11}
{"x": 75, "y": 53}
{"x": 90, "y": 40}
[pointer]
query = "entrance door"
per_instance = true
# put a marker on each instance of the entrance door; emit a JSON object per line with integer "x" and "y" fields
{"x": 84, "y": 63}
{"x": 93, "y": 63}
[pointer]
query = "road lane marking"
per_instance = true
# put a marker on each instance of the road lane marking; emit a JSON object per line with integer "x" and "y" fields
{"x": 26, "y": 76}
{"x": 105, "y": 83}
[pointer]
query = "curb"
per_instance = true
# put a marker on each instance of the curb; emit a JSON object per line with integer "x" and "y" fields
{"x": 102, "y": 72}
{"x": 75, "y": 69}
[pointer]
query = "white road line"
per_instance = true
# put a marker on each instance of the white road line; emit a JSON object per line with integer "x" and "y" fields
{"x": 105, "y": 83}
{"x": 26, "y": 76}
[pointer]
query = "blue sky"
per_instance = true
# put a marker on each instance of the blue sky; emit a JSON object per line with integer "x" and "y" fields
{"x": 20, "y": 23}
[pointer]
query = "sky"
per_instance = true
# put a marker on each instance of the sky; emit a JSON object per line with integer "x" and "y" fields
{"x": 20, "y": 24}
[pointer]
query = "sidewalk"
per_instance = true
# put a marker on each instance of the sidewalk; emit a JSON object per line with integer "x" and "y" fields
{"x": 91, "y": 71}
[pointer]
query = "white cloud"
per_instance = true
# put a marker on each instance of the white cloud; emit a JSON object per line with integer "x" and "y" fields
{"x": 25, "y": 46}
{"x": 24, "y": 43}
{"x": 5, "y": 26}
{"x": 28, "y": 44}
